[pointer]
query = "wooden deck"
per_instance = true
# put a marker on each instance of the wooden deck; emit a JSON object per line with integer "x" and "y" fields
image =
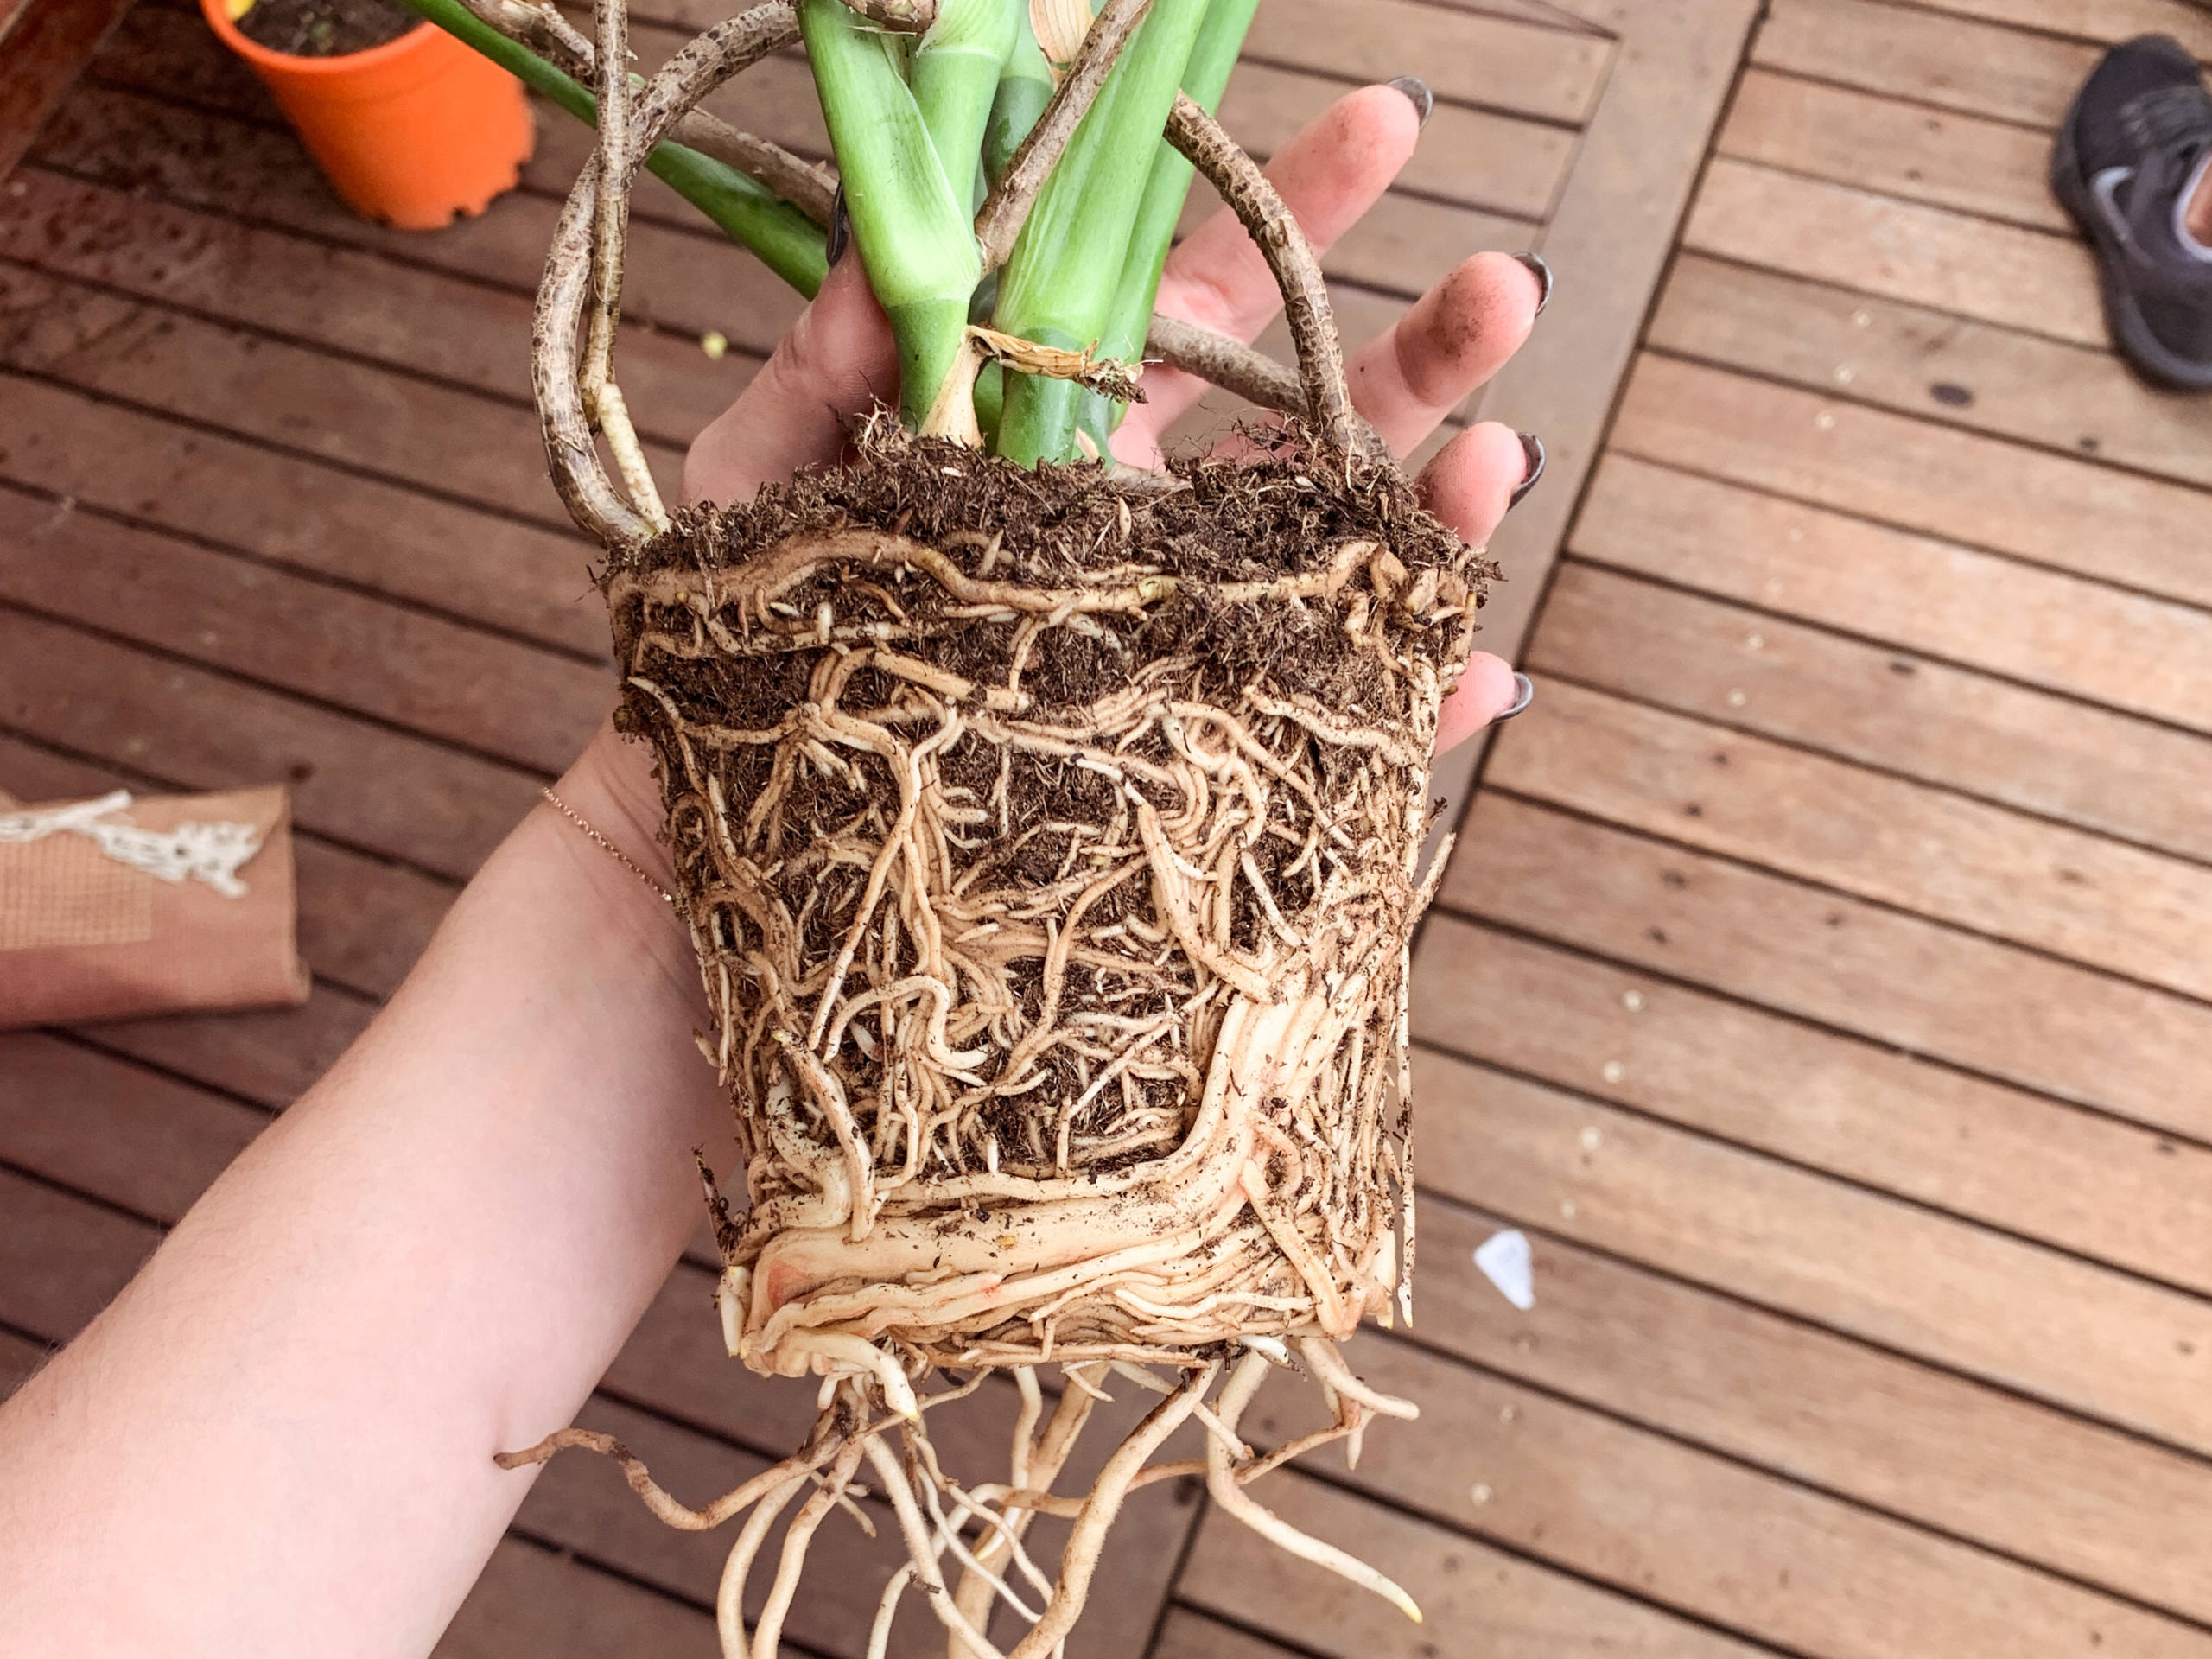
{"x": 1823, "y": 982}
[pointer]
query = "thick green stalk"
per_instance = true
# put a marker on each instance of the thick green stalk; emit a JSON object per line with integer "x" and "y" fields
{"x": 1025, "y": 88}
{"x": 1166, "y": 189}
{"x": 955, "y": 79}
{"x": 749, "y": 212}
{"x": 1059, "y": 287}
{"x": 910, "y": 227}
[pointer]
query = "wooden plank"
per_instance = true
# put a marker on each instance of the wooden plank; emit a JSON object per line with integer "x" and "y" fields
{"x": 1478, "y": 1598}
{"x": 2107, "y": 21}
{"x": 2053, "y": 888}
{"x": 1885, "y": 1120}
{"x": 405, "y": 316}
{"x": 444, "y": 557}
{"x": 2033, "y": 280}
{"x": 363, "y": 922}
{"x": 1607, "y": 243}
{"x": 366, "y": 785}
{"x": 1763, "y": 1558}
{"x": 1402, "y": 244}
{"x": 1909, "y": 593}
{"x": 1471, "y": 157}
{"x": 1914, "y": 1441}
{"x": 44, "y": 47}
{"x": 63, "y": 1258}
{"x": 201, "y": 70}
{"x": 1930, "y": 363}
{"x": 535, "y": 1600}
{"x": 1464, "y": 56}
{"x": 267, "y": 1058}
{"x": 518, "y": 702}
{"x": 2081, "y": 1336}
{"x": 2047, "y": 509}
{"x": 1991, "y": 168}
{"x": 397, "y": 428}
{"x": 1188, "y": 1635}
{"x": 1880, "y": 707}
{"x": 137, "y": 1140}
{"x": 19, "y": 1359}
{"x": 681, "y": 279}
{"x": 1914, "y": 52}
{"x": 1916, "y": 985}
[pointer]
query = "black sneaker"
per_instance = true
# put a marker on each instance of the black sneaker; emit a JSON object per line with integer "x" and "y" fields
{"x": 2128, "y": 154}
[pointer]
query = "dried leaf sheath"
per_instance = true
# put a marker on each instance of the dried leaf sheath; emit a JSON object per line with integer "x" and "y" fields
{"x": 1051, "y": 889}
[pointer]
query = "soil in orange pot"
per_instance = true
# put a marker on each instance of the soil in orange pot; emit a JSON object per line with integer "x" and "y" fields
{"x": 324, "y": 28}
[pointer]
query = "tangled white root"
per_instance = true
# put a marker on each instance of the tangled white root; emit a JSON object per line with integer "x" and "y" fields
{"x": 1058, "y": 955}
{"x": 982, "y": 1527}
{"x": 1058, "y": 1031}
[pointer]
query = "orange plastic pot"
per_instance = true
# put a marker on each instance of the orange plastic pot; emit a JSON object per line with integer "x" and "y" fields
{"x": 410, "y": 133}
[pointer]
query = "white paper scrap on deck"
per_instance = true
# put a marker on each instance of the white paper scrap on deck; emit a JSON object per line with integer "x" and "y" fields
{"x": 1505, "y": 1260}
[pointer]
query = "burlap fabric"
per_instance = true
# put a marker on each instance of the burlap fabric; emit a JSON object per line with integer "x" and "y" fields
{"x": 87, "y": 935}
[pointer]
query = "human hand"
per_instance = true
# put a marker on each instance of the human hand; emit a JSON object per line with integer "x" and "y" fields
{"x": 837, "y": 361}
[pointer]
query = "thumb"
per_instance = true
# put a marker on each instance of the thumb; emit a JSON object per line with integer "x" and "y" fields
{"x": 836, "y": 362}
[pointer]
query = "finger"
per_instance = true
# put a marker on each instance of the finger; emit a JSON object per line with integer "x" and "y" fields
{"x": 1469, "y": 485}
{"x": 1328, "y": 175}
{"x": 1471, "y": 482}
{"x": 836, "y": 362}
{"x": 1452, "y": 340}
{"x": 1486, "y": 690}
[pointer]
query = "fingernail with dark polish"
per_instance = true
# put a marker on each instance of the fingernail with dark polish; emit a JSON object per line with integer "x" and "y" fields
{"x": 1533, "y": 447}
{"x": 1524, "y": 693}
{"x": 841, "y": 228}
{"x": 1417, "y": 94}
{"x": 1534, "y": 261}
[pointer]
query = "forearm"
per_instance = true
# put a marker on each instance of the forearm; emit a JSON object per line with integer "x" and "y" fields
{"x": 278, "y": 1439}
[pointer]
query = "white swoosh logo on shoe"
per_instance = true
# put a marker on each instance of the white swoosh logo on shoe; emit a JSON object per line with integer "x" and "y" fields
{"x": 2104, "y": 187}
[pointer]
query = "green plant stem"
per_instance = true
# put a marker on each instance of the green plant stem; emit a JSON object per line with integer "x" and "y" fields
{"x": 955, "y": 77}
{"x": 1205, "y": 77}
{"x": 1058, "y": 288}
{"x": 749, "y": 213}
{"x": 1025, "y": 88}
{"x": 910, "y": 227}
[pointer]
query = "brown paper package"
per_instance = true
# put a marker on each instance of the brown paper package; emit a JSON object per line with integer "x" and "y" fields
{"x": 82, "y": 937}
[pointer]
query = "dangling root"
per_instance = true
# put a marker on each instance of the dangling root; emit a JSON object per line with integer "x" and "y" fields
{"x": 854, "y": 1428}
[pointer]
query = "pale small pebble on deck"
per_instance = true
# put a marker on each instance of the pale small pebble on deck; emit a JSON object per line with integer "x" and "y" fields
{"x": 1507, "y": 1261}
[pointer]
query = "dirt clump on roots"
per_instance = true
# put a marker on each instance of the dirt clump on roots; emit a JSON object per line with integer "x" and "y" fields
{"x": 1051, "y": 885}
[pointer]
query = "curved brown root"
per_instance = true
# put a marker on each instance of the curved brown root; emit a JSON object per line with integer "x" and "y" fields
{"x": 673, "y": 1511}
